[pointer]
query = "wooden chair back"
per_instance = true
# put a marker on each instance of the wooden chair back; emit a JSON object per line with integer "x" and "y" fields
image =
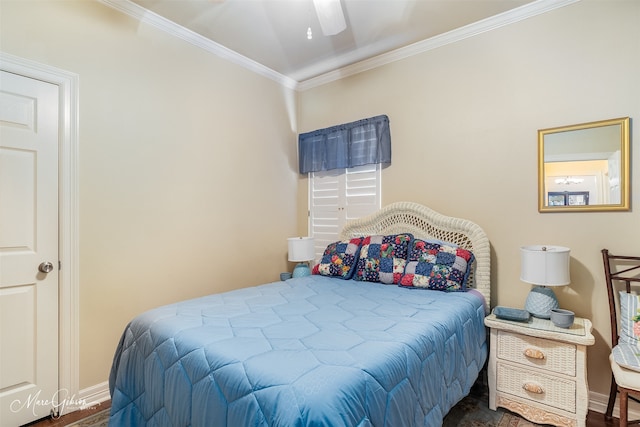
{"x": 622, "y": 273}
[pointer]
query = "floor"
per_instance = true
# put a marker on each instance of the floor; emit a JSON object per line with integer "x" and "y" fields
{"x": 594, "y": 419}
{"x": 72, "y": 417}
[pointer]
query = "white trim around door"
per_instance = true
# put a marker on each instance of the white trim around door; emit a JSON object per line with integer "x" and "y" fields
{"x": 69, "y": 350}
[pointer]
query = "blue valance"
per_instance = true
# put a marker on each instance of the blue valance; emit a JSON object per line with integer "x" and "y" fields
{"x": 363, "y": 142}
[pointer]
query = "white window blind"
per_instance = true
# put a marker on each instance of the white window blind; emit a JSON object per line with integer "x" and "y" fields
{"x": 339, "y": 195}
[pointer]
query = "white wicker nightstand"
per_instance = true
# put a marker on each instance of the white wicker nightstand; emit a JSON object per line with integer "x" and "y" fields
{"x": 539, "y": 370}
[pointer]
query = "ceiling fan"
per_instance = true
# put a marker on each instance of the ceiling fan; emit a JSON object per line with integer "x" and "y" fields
{"x": 330, "y": 16}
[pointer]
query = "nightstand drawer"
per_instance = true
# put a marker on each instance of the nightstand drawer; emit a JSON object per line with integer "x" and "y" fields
{"x": 550, "y": 355}
{"x": 536, "y": 386}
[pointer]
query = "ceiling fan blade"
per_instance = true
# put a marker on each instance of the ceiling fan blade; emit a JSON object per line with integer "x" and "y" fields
{"x": 330, "y": 16}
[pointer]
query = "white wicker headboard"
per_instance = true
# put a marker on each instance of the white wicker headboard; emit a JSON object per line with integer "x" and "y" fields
{"x": 425, "y": 223}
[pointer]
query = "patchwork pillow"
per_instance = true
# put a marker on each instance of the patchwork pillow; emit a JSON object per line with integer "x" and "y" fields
{"x": 382, "y": 258}
{"x": 629, "y": 318}
{"x": 437, "y": 265}
{"x": 339, "y": 259}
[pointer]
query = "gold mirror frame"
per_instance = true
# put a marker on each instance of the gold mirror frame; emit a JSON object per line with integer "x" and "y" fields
{"x": 566, "y": 148}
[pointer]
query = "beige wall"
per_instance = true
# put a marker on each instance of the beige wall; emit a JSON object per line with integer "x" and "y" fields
{"x": 464, "y": 119}
{"x": 187, "y": 185}
{"x": 166, "y": 212}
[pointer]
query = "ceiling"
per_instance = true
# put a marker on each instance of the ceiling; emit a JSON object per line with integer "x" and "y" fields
{"x": 273, "y": 33}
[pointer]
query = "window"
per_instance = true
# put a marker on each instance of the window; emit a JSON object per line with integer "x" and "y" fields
{"x": 344, "y": 167}
{"x": 339, "y": 195}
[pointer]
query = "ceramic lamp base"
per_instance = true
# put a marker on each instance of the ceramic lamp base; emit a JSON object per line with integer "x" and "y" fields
{"x": 540, "y": 302}
{"x": 301, "y": 270}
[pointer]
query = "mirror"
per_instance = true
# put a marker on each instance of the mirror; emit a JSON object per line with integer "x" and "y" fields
{"x": 584, "y": 167}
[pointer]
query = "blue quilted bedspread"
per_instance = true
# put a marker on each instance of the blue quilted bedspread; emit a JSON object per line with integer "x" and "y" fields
{"x": 309, "y": 351}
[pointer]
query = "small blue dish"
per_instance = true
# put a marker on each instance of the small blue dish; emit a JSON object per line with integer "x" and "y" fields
{"x": 562, "y": 318}
{"x": 285, "y": 276}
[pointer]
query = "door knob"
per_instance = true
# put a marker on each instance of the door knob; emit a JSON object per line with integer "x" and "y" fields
{"x": 45, "y": 267}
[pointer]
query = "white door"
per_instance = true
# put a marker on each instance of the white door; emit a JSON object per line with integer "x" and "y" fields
{"x": 28, "y": 241}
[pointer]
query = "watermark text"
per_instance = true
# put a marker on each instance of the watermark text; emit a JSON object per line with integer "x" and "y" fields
{"x": 61, "y": 402}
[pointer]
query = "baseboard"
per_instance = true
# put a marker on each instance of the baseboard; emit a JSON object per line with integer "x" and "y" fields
{"x": 598, "y": 403}
{"x": 95, "y": 395}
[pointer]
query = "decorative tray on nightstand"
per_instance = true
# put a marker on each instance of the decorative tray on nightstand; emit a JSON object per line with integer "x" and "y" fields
{"x": 578, "y": 328}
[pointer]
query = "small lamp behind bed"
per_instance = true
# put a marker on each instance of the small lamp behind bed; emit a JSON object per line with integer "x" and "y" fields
{"x": 544, "y": 266}
{"x": 301, "y": 250}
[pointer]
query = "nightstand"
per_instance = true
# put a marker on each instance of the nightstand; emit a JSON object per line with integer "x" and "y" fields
{"x": 539, "y": 370}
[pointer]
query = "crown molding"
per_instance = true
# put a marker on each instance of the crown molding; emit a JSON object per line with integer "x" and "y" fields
{"x": 170, "y": 27}
{"x": 523, "y": 12}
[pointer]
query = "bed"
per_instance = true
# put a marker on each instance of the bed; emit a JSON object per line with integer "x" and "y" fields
{"x": 320, "y": 350}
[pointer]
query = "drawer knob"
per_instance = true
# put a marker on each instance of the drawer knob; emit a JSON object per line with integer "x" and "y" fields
{"x": 533, "y": 353}
{"x": 533, "y": 388}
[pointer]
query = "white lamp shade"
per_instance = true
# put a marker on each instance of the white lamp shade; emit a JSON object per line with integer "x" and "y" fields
{"x": 545, "y": 265}
{"x": 301, "y": 249}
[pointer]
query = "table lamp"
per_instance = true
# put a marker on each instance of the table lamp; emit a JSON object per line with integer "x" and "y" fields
{"x": 543, "y": 266}
{"x": 301, "y": 250}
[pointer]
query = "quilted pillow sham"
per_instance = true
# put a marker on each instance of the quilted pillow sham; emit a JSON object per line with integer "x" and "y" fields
{"x": 437, "y": 265}
{"x": 339, "y": 259}
{"x": 383, "y": 258}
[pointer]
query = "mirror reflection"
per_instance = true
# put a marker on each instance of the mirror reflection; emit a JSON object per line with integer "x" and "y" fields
{"x": 584, "y": 167}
